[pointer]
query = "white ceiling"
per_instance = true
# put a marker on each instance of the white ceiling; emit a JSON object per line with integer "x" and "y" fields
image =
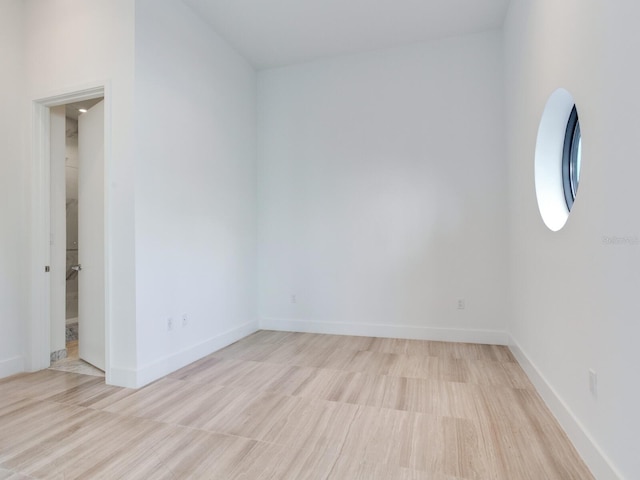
{"x": 72, "y": 109}
{"x": 272, "y": 33}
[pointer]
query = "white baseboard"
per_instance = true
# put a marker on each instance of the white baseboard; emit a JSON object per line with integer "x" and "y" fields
{"x": 600, "y": 466}
{"x": 158, "y": 369}
{"x": 11, "y": 366}
{"x": 460, "y": 335}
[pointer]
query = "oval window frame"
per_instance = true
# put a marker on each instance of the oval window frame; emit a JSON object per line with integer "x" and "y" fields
{"x": 571, "y": 161}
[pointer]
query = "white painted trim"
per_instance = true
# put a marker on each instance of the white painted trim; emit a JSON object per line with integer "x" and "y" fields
{"x": 11, "y": 366}
{"x": 490, "y": 337}
{"x": 40, "y": 321}
{"x": 79, "y": 94}
{"x": 122, "y": 377}
{"x": 593, "y": 456}
{"x": 108, "y": 277}
{"x": 158, "y": 369}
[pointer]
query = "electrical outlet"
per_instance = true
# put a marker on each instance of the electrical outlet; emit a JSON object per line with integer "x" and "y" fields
{"x": 169, "y": 324}
{"x": 294, "y": 299}
{"x": 593, "y": 382}
{"x": 461, "y": 304}
{"x": 185, "y": 320}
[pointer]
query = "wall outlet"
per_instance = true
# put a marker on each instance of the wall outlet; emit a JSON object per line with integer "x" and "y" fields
{"x": 593, "y": 382}
{"x": 185, "y": 320}
{"x": 169, "y": 324}
{"x": 461, "y": 304}
{"x": 294, "y": 299}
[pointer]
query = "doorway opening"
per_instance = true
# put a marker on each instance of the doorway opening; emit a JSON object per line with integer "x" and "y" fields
{"x": 66, "y": 224}
{"x": 70, "y": 258}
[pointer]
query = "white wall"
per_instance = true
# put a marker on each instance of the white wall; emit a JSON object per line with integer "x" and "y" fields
{"x": 195, "y": 189}
{"x": 382, "y": 193}
{"x": 382, "y": 196}
{"x": 194, "y": 178}
{"x": 72, "y": 45}
{"x": 13, "y": 206}
{"x": 575, "y": 295}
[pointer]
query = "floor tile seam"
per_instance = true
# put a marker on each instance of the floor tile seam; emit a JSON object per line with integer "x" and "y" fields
{"x": 310, "y": 397}
{"x": 68, "y": 448}
{"x": 116, "y": 414}
{"x": 249, "y": 390}
{"x": 515, "y": 427}
{"x": 339, "y": 454}
{"x": 132, "y": 392}
{"x": 191, "y": 428}
{"x": 356, "y": 350}
{"x": 361, "y": 459}
{"x": 412, "y": 354}
{"x": 16, "y": 472}
{"x": 329, "y": 369}
{"x": 69, "y": 370}
{"x": 16, "y": 377}
{"x": 404, "y": 352}
{"x": 228, "y": 434}
{"x": 469, "y": 361}
{"x": 67, "y": 392}
{"x": 382, "y": 352}
{"x": 305, "y": 397}
{"x": 340, "y": 371}
{"x": 444, "y": 356}
{"x": 114, "y": 453}
{"x": 37, "y": 403}
{"x": 16, "y": 398}
{"x": 67, "y": 373}
{"x": 92, "y": 406}
{"x": 159, "y": 458}
{"x": 29, "y": 383}
{"x": 318, "y": 369}
{"x": 150, "y": 448}
{"x": 117, "y": 453}
{"x": 78, "y": 405}
{"x": 410, "y": 469}
{"x": 61, "y": 424}
{"x": 235, "y": 436}
{"x": 269, "y": 363}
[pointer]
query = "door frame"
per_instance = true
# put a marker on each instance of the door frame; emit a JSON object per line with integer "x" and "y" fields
{"x": 39, "y": 333}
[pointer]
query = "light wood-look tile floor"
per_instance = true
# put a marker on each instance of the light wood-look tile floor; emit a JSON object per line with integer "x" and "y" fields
{"x": 297, "y": 406}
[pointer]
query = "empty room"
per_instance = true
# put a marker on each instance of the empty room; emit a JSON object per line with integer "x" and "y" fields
{"x": 319, "y": 239}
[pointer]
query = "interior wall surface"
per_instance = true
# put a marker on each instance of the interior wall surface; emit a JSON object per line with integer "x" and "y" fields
{"x": 56, "y": 63}
{"x": 382, "y": 193}
{"x": 574, "y": 291}
{"x": 195, "y": 189}
{"x": 14, "y": 308}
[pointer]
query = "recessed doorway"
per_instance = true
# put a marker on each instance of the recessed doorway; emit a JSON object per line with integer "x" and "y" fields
{"x": 70, "y": 288}
{"x": 83, "y": 135}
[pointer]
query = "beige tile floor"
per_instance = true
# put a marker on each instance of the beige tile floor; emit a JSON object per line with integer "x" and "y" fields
{"x": 282, "y": 405}
{"x": 74, "y": 364}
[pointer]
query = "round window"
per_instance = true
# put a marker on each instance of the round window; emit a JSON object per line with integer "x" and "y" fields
{"x": 558, "y": 159}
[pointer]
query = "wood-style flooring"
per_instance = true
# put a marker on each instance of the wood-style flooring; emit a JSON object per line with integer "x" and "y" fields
{"x": 279, "y": 405}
